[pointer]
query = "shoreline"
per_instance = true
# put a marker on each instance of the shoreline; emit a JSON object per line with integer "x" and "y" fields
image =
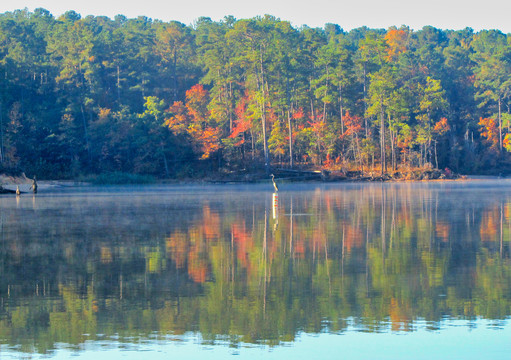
{"x": 10, "y": 183}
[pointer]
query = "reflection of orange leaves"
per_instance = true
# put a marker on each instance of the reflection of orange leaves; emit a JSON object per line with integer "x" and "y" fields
{"x": 328, "y": 203}
{"x": 177, "y": 248}
{"x": 299, "y": 248}
{"x": 405, "y": 218}
{"x": 243, "y": 241}
{"x": 353, "y": 238}
{"x": 442, "y": 231}
{"x": 197, "y": 267}
{"x": 318, "y": 239}
{"x": 398, "y": 316}
{"x": 489, "y": 226}
{"x": 211, "y": 223}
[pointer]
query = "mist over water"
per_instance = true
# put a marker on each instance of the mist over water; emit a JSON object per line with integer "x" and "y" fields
{"x": 216, "y": 270}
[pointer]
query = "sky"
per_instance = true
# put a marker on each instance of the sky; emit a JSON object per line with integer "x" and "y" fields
{"x": 349, "y": 14}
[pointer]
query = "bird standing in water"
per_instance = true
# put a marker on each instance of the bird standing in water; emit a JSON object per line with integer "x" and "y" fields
{"x": 274, "y": 184}
{"x": 34, "y": 186}
{"x": 18, "y": 192}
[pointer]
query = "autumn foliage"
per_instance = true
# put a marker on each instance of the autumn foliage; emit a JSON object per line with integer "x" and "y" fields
{"x": 489, "y": 131}
{"x": 193, "y": 119}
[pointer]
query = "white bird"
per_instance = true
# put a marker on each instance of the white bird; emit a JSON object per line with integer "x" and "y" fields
{"x": 18, "y": 192}
{"x": 274, "y": 184}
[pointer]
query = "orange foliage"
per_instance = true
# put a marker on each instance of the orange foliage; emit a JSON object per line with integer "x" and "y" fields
{"x": 104, "y": 113}
{"x": 506, "y": 142}
{"x": 404, "y": 144}
{"x": 240, "y": 126}
{"x": 490, "y": 131}
{"x": 179, "y": 120}
{"x": 318, "y": 127}
{"x": 197, "y": 103}
{"x": 209, "y": 139}
{"x": 192, "y": 119}
{"x": 441, "y": 127}
{"x": 397, "y": 43}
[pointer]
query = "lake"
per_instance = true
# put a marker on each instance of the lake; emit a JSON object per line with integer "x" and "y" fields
{"x": 349, "y": 270}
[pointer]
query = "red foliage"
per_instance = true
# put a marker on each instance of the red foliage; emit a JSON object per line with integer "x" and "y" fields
{"x": 329, "y": 162}
{"x": 299, "y": 114}
{"x": 353, "y": 124}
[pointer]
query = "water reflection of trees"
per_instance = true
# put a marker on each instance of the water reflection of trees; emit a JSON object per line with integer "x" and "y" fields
{"x": 373, "y": 259}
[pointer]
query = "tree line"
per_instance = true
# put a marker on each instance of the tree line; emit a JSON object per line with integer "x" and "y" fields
{"x": 96, "y": 95}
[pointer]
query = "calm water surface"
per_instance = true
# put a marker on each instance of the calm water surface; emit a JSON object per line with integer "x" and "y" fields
{"x": 348, "y": 271}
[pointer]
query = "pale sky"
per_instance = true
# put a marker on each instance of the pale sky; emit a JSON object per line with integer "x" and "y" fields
{"x": 349, "y": 14}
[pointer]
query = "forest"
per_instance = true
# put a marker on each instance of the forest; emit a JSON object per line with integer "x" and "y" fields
{"x": 93, "y": 95}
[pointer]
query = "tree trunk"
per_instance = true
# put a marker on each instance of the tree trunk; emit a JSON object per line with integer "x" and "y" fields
{"x": 382, "y": 139}
{"x": 85, "y": 133}
{"x": 263, "y": 115}
{"x": 174, "y": 76}
{"x": 436, "y": 157}
{"x": 165, "y": 163}
{"x": 500, "y": 126}
{"x": 290, "y": 139}
{"x": 341, "y": 109}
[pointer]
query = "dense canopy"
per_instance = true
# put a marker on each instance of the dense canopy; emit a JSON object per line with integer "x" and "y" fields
{"x": 94, "y": 95}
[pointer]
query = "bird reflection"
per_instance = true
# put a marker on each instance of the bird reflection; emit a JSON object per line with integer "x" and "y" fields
{"x": 275, "y": 207}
